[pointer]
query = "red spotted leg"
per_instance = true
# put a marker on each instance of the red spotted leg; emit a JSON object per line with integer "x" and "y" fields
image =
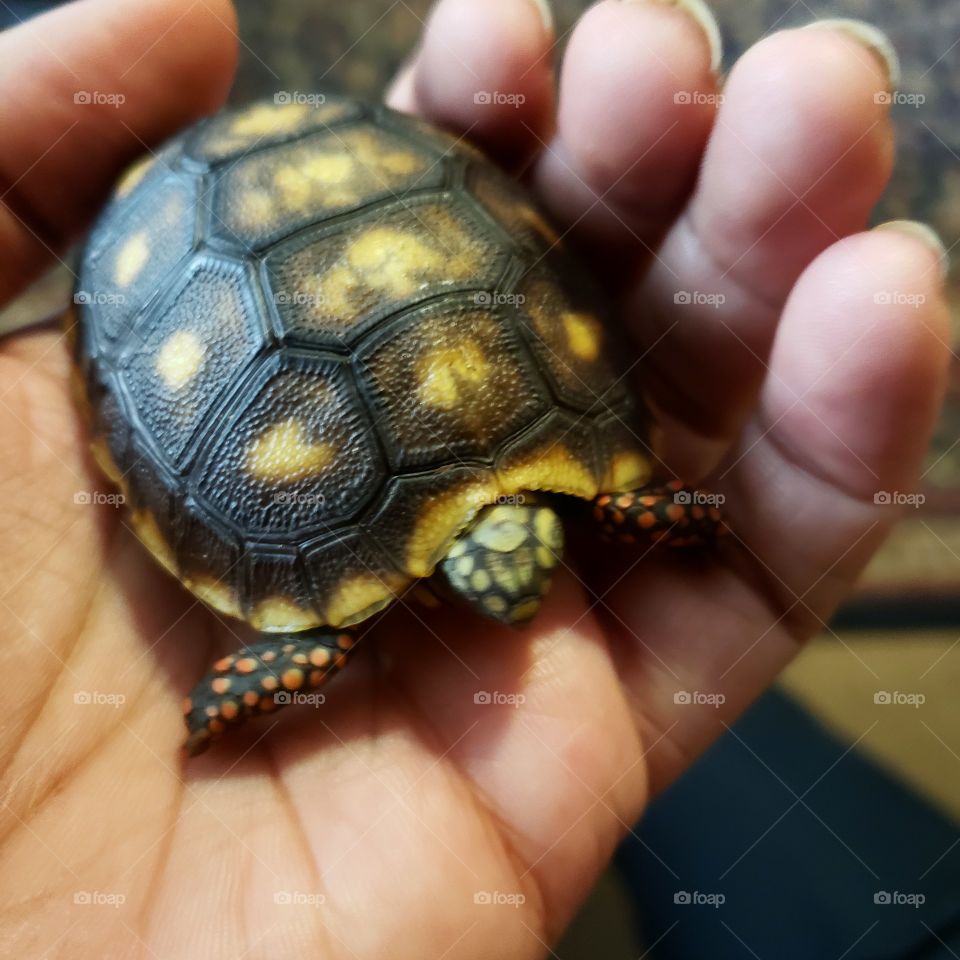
{"x": 261, "y": 678}
{"x": 671, "y": 512}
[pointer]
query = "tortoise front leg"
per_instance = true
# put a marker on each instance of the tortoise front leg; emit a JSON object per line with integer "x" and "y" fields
{"x": 262, "y": 678}
{"x": 670, "y": 512}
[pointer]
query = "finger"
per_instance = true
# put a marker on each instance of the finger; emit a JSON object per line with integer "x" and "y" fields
{"x": 637, "y": 101}
{"x": 856, "y": 378}
{"x": 547, "y": 701}
{"x": 801, "y": 150}
{"x": 484, "y": 70}
{"x": 83, "y": 90}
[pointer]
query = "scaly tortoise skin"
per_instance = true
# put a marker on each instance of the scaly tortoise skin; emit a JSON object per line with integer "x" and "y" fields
{"x": 327, "y": 350}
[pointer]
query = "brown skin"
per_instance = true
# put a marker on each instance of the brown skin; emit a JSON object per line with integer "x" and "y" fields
{"x": 401, "y": 798}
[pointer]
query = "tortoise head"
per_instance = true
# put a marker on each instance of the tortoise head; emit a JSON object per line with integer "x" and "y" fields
{"x": 502, "y": 564}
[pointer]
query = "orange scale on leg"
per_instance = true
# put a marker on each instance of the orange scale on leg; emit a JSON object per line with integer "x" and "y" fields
{"x": 187, "y": 705}
{"x": 251, "y": 698}
{"x": 211, "y": 711}
{"x": 269, "y": 683}
{"x": 223, "y": 664}
{"x": 675, "y": 512}
{"x": 216, "y": 725}
{"x": 344, "y": 641}
{"x": 220, "y": 684}
{"x": 229, "y": 710}
{"x": 267, "y": 704}
{"x": 292, "y": 679}
{"x": 316, "y": 677}
{"x": 319, "y": 656}
{"x": 246, "y": 665}
{"x": 300, "y": 658}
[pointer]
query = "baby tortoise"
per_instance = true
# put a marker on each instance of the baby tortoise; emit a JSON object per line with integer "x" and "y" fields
{"x": 327, "y": 350}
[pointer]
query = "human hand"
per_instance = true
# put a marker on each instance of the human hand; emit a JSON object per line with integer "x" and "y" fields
{"x": 390, "y": 815}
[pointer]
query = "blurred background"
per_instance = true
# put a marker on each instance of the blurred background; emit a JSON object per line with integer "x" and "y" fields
{"x": 825, "y": 824}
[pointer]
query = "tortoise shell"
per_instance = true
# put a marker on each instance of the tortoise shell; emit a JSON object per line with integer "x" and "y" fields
{"x": 316, "y": 338}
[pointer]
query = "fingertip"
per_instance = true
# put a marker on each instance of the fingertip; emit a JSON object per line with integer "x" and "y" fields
{"x": 401, "y": 93}
{"x": 860, "y": 360}
{"x": 486, "y": 70}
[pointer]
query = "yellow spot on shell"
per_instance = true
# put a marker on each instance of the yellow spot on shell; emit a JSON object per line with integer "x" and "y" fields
{"x": 328, "y": 167}
{"x": 256, "y": 208}
{"x": 439, "y": 522}
{"x": 400, "y": 162}
{"x": 263, "y": 120}
{"x": 180, "y": 359}
{"x": 284, "y": 454}
{"x": 446, "y": 373}
{"x": 214, "y": 594}
{"x": 147, "y": 529}
{"x": 282, "y": 614}
{"x": 359, "y": 597}
{"x": 554, "y": 468}
{"x": 131, "y": 259}
{"x": 293, "y": 187}
{"x": 583, "y": 335}
{"x": 104, "y": 460}
{"x": 535, "y": 220}
{"x": 133, "y": 175}
{"x": 627, "y": 470}
{"x": 390, "y": 259}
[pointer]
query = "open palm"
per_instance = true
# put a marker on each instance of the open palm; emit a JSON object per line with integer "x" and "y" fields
{"x": 406, "y": 816}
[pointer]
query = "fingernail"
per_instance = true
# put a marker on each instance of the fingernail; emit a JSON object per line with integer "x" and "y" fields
{"x": 703, "y": 16}
{"x": 546, "y": 15}
{"x": 869, "y": 36}
{"x": 924, "y": 232}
